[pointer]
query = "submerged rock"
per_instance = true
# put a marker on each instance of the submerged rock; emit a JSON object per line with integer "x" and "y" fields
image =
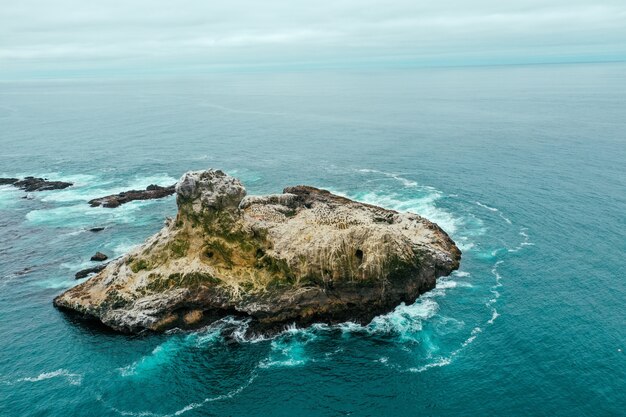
{"x": 99, "y": 256}
{"x": 116, "y": 200}
{"x": 299, "y": 257}
{"x": 97, "y": 229}
{"x": 29, "y": 184}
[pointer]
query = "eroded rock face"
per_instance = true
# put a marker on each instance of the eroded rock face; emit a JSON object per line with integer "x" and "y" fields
{"x": 303, "y": 256}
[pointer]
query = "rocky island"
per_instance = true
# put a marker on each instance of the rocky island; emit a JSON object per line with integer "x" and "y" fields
{"x": 301, "y": 257}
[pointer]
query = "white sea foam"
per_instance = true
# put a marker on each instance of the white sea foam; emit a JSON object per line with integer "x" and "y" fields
{"x": 288, "y": 348}
{"x": 494, "y": 316}
{"x": 486, "y": 206}
{"x": 506, "y": 219}
{"x": 72, "y": 378}
{"x": 405, "y": 320}
{"x": 495, "y": 273}
{"x": 445, "y": 284}
{"x": 124, "y": 247}
{"x": 438, "y": 363}
{"x": 525, "y": 241}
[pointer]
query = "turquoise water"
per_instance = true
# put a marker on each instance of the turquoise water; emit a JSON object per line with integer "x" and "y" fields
{"x": 523, "y": 166}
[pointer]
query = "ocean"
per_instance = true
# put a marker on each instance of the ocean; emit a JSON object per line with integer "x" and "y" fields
{"x": 524, "y": 166}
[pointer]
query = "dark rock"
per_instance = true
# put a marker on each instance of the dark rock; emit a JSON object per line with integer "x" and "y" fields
{"x": 99, "y": 256}
{"x": 115, "y": 200}
{"x": 24, "y": 271}
{"x": 85, "y": 272}
{"x": 8, "y": 181}
{"x": 38, "y": 184}
{"x": 97, "y": 229}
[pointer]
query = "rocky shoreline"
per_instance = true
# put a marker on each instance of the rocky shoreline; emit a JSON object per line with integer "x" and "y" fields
{"x": 301, "y": 257}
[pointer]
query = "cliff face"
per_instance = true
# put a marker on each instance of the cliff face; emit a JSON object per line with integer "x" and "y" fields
{"x": 302, "y": 256}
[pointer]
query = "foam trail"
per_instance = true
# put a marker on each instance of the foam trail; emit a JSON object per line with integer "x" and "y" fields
{"x": 495, "y": 210}
{"x": 188, "y": 407}
{"x": 494, "y": 316}
{"x": 73, "y": 379}
{"x": 486, "y": 206}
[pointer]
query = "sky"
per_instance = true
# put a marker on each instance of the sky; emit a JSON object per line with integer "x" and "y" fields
{"x": 66, "y": 38}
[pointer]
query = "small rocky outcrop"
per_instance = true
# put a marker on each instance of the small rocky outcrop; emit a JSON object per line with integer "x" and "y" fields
{"x": 8, "y": 181}
{"x": 151, "y": 192}
{"x": 301, "y": 257}
{"x": 99, "y": 257}
{"x": 97, "y": 229}
{"x": 30, "y": 184}
{"x": 83, "y": 273}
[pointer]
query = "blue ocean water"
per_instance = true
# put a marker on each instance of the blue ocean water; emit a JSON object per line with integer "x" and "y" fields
{"x": 524, "y": 166}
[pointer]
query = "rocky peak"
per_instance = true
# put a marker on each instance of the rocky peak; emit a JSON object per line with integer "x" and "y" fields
{"x": 211, "y": 189}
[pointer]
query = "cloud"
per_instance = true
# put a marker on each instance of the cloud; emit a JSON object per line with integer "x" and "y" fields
{"x": 75, "y": 35}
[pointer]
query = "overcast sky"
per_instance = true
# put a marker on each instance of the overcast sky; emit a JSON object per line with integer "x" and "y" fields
{"x": 40, "y": 38}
